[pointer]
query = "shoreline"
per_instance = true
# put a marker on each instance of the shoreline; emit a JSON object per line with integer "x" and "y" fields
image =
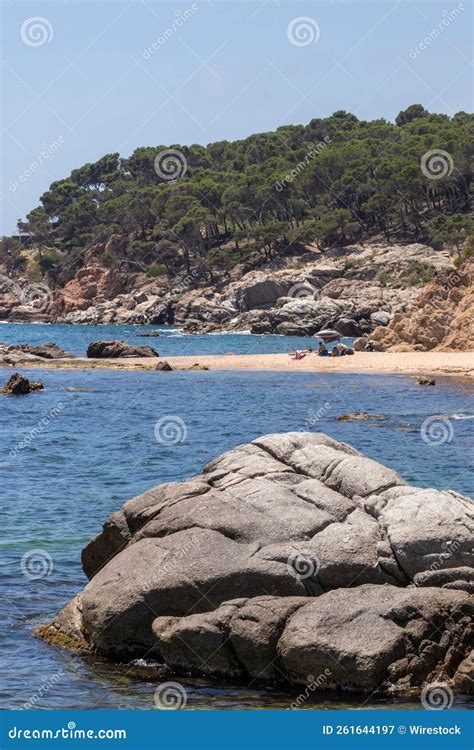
{"x": 454, "y": 364}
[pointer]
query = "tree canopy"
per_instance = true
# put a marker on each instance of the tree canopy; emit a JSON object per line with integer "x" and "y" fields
{"x": 333, "y": 181}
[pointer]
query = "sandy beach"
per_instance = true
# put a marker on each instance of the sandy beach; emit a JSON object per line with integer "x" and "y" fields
{"x": 457, "y": 364}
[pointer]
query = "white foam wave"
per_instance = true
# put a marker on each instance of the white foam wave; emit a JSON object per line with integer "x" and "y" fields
{"x": 144, "y": 663}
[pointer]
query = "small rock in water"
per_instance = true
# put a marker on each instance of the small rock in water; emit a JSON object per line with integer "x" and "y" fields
{"x": 76, "y": 388}
{"x": 164, "y": 366}
{"x": 360, "y": 416}
{"x": 425, "y": 381}
{"x": 197, "y": 366}
{"x": 20, "y": 386}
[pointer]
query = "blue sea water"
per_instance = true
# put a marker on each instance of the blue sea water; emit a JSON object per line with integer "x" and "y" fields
{"x": 171, "y": 341}
{"x": 72, "y": 454}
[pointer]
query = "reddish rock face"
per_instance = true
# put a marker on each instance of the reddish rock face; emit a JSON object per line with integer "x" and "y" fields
{"x": 90, "y": 282}
{"x": 440, "y": 318}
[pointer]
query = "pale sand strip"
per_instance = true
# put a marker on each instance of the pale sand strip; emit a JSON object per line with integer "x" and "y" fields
{"x": 458, "y": 364}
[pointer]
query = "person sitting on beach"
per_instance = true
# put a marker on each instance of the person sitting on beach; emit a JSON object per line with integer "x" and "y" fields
{"x": 335, "y": 351}
{"x": 322, "y": 351}
{"x": 298, "y": 354}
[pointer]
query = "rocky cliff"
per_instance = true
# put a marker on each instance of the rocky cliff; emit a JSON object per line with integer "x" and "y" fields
{"x": 354, "y": 289}
{"x": 441, "y": 318}
{"x": 289, "y": 556}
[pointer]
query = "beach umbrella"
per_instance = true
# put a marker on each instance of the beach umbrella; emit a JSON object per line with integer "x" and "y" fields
{"x": 327, "y": 335}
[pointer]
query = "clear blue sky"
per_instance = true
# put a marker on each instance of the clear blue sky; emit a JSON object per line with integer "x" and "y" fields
{"x": 228, "y": 71}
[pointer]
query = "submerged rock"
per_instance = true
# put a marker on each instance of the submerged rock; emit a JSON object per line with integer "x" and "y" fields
{"x": 361, "y": 416}
{"x": 425, "y": 381}
{"x": 197, "y": 366}
{"x": 113, "y": 349}
{"x": 289, "y": 556}
{"x": 18, "y": 385}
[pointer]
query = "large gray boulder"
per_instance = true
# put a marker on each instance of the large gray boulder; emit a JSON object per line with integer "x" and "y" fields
{"x": 260, "y": 290}
{"x": 363, "y": 638}
{"x": 292, "y": 546}
{"x": 113, "y": 349}
{"x": 43, "y": 351}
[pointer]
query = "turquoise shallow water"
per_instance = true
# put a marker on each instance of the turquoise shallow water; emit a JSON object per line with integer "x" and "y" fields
{"x": 68, "y": 458}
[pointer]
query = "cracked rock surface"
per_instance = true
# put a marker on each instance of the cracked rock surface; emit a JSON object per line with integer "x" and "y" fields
{"x": 288, "y": 557}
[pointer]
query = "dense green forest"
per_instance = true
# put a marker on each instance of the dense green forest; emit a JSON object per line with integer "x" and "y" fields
{"x": 333, "y": 181}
